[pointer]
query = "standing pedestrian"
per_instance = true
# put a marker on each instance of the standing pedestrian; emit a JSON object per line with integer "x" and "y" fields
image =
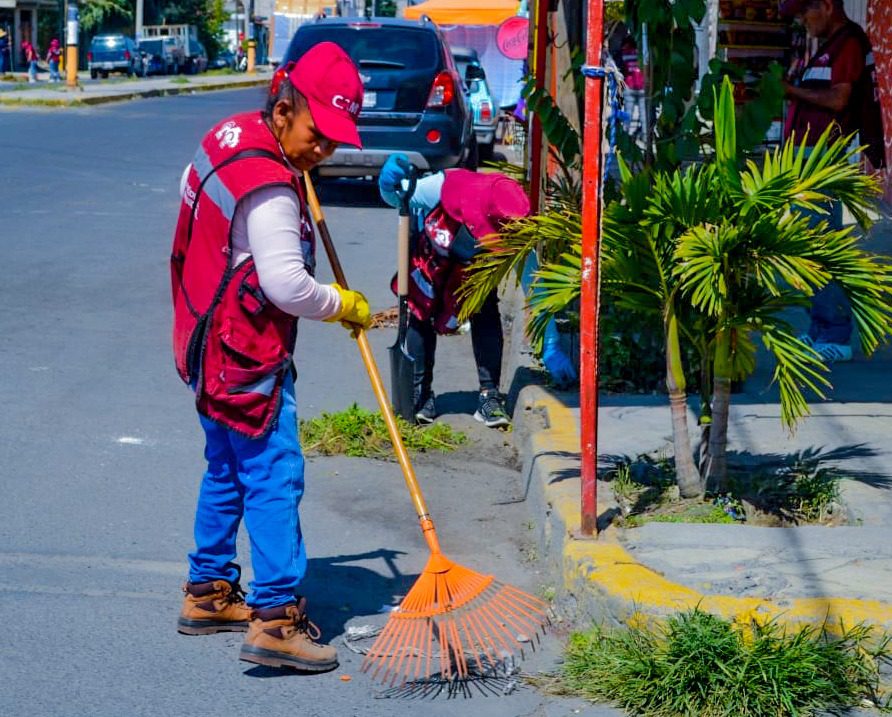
{"x": 242, "y": 271}
{"x": 835, "y": 89}
{"x": 454, "y": 209}
{"x": 30, "y": 53}
{"x": 633, "y": 94}
{"x": 4, "y": 51}
{"x": 53, "y": 54}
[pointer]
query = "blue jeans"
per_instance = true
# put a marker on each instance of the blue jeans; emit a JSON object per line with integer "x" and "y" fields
{"x": 831, "y": 312}
{"x": 263, "y": 480}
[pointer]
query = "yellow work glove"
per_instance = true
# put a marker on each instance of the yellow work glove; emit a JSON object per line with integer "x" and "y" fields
{"x": 355, "y": 313}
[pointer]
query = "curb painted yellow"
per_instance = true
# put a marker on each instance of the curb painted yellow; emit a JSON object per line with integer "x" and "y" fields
{"x": 604, "y": 566}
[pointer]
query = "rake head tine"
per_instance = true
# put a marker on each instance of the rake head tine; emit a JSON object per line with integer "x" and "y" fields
{"x": 458, "y": 650}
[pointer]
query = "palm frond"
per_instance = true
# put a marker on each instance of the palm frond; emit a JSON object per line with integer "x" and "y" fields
{"x": 798, "y": 367}
{"x": 547, "y": 234}
{"x": 555, "y": 286}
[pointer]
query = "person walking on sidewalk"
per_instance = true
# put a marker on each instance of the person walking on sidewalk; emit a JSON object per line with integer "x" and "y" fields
{"x": 53, "y": 54}
{"x": 454, "y": 210}
{"x": 31, "y": 56}
{"x": 836, "y": 88}
{"x": 242, "y": 271}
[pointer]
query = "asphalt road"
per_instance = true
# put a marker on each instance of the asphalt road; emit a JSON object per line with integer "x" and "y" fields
{"x": 100, "y": 449}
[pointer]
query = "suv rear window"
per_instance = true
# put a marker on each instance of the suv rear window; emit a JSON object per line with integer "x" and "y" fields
{"x": 153, "y": 46}
{"x": 371, "y": 45}
{"x": 107, "y": 42}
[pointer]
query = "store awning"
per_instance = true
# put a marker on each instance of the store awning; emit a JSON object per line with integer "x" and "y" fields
{"x": 464, "y": 12}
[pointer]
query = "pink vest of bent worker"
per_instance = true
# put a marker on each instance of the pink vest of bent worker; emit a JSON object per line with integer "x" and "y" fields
{"x": 233, "y": 344}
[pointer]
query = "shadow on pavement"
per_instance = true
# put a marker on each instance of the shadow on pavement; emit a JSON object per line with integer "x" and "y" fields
{"x": 338, "y": 592}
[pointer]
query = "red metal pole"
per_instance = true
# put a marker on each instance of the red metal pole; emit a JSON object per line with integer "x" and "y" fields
{"x": 541, "y": 40}
{"x": 591, "y": 241}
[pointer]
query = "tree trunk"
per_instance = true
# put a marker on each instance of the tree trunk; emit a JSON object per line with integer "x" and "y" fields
{"x": 686, "y": 474}
{"x": 705, "y": 420}
{"x": 717, "y": 462}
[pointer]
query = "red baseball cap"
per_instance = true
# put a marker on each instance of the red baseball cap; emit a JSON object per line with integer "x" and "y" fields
{"x": 327, "y": 77}
{"x": 483, "y": 202}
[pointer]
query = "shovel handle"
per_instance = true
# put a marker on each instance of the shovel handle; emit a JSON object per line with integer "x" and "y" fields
{"x": 371, "y": 366}
{"x": 402, "y": 257}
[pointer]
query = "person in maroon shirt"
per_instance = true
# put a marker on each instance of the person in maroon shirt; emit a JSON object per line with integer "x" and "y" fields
{"x": 826, "y": 94}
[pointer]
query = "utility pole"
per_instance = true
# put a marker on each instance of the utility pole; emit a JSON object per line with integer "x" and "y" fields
{"x": 71, "y": 46}
{"x": 591, "y": 248}
{"x": 252, "y": 43}
{"x": 140, "y": 13}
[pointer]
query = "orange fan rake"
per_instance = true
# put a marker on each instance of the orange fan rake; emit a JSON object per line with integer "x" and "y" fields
{"x": 454, "y": 622}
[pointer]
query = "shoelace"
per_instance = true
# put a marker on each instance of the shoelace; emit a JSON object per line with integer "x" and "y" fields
{"x": 492, "y": 406}
{"x": 236, "y": 595}
{"x": 305, "y": 625}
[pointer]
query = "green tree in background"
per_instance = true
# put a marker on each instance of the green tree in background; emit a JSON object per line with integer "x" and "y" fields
{"x": 94, "y": 14}
{"x": 208, "y": 17}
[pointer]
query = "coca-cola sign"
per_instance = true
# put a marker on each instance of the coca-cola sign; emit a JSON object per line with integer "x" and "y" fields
{"x": 513, "y": 37}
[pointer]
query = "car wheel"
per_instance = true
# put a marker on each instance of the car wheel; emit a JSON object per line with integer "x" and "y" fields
{"x": 485, "y": 151}
{"x": 93, "y": 74}
{"x": 472, "y": 158}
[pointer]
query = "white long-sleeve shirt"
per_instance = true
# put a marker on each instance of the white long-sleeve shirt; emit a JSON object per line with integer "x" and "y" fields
{"x": 266, "y": 226}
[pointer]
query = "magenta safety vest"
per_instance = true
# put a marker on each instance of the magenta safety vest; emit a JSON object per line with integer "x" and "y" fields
{"x": 232, "y": 344}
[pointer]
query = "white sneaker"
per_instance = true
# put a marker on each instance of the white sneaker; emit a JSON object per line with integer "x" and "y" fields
{"x": 834, "y": 353}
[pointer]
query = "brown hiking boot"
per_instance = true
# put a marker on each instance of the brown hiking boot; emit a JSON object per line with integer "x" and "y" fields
{"x": 213, "y": 607}
{"x": 284, "y": 637}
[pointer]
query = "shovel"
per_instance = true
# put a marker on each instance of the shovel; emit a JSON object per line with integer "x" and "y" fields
{"x": 402, "y": 364}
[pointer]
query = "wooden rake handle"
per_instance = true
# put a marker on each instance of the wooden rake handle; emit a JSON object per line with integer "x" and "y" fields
{"x": 371, "y": 366}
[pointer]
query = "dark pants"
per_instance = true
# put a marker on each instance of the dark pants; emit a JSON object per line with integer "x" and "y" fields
{"x": 831, "y": 312}
{"x": 486, "y": 338}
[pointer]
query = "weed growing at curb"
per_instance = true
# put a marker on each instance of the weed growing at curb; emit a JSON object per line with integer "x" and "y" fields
{"x": 798, "y": 492}
{"x": 699, "y": 665}
{"x": 359, "y": 432}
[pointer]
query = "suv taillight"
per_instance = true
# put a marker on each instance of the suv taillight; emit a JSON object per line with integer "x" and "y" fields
{"x": 126, "y": 54}
{"x": 442, "y": 91}
{"x": 89, "y": 57}
{"x": 485, "y": 111}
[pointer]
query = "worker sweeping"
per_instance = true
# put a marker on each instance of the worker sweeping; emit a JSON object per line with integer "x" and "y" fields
{"x": 455, "y": 210}
{"x": 242, "y": 271}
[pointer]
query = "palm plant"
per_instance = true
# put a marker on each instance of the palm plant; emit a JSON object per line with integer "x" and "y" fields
{"x": 719, "y": 251}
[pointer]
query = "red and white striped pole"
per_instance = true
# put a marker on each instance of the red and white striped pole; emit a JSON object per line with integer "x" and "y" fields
{"x": 591, "y": 244}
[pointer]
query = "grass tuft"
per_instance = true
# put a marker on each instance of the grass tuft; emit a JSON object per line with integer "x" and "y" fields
{"x": 699, "y": 665}
{"x": 359, "y": 432}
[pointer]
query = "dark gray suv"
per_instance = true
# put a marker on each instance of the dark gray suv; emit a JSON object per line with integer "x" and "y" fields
{"x": 413, "y": 99}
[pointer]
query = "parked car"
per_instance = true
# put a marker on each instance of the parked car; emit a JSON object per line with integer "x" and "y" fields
{"x": 413, "y": 100}
{"x": 224, "y": 59}
{"x": 169, "y": 51}
{"x": 196, "y": 57}
{"x": 113, "y": 53}
{"x": 483, "y": 104}
{"x": 152, "y": 60}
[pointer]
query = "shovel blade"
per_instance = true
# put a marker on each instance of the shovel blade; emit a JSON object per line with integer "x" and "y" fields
{"x": 402, "y": 374}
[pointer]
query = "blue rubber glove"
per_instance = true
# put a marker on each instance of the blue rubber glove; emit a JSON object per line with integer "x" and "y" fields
{"x": 557, "y": 363}
{"x": 395, "y": 170}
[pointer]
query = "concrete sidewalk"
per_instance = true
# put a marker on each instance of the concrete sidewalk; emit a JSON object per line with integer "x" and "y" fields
{"x": 798, "y": 574}
{"x": 94, "y": 92}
